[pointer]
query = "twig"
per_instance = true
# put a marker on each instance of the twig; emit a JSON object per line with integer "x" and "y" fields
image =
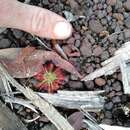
{"x": 53, "y": 115}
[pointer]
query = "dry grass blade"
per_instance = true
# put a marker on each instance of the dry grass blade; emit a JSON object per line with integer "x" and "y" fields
{"x": 53, "y": 115}
{"x": 87, "y": 100}
{"x": 32, "y": 120}
{"x": 8, "y": 89}
{"x": 21, "y": 102}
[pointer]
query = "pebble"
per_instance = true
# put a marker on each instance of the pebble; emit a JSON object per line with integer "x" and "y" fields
{"x": 127, "y": 5}
{"x": 111, "y": 94}
{"x": 113, "y": 38}
{"x": 118, "y": 16}
{"x": 108, "y": 114}
{"x": 127, "y": 22}
{"x": 95, "y": 26}
{"x": 77, "y": 43}
{"x": 116, "y": 99}
{"x": 117, "y": 86}
{"x": 111, "y": 2}
{"x": 89, "y": 68}
{"x": 127, "y": 33}
{"x": 100, "y": 81}
{"x": 4, "y": 43}
{"x": 108, "y": 106}
{"x": 97, "y": 51}
{"x": 105, "y": 55}
{"x": 75, "y": 84}
{"x": 89, "y": 84}
{"x": 85, "y": 48}
{"x": 17, "y": 33}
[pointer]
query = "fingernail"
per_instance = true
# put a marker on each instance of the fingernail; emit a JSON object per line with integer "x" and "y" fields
{"x": 62, "y": 30}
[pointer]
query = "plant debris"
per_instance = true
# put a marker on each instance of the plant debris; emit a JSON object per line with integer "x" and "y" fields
{"x": 27, "y": 62}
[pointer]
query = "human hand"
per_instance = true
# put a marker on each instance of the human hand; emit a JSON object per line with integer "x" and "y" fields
{"x": 35, "y": 20}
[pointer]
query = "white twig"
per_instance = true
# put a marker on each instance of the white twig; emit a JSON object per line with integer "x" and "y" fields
{"x": 47, "y": 109}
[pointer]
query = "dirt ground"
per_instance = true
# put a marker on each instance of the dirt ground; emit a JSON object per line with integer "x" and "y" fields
{"x": 86, "y": 48}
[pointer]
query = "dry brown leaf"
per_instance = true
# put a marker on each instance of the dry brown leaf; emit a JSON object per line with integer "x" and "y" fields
{"x": 30, "y": 62}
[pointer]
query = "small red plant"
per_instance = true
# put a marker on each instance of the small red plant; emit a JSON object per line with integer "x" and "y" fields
{"x": 49, "y": 78}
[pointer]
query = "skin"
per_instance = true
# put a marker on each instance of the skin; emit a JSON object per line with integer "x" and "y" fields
{"x": 35, "y": 20}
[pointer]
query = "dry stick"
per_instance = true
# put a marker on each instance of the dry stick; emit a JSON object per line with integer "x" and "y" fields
{"x": 47, "y": 109}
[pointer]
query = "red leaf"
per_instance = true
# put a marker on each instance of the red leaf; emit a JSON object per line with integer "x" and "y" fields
{"x": 31, "y": 62}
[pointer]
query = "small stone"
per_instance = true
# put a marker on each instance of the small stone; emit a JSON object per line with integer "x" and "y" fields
{"x": 112, "y": 50}
{"x": 73, "y": 77}
{"x": 118, "y": 16}
{"x": 127, "y": 5}
{"x": 89, "y": 84}
{"x": 109, "y": 9}
{"x": 17, "y": 33}
{"x": 127, "y": 33}
{"x": 113, "y": 38}
{"x": 116, "y": 99}
{"x": 100, "y": 81}
{"x": 104, "y": 55}
{"x": 117, "y": 86}
{"x": 107, "y": 88}
{"x": 90, "y": 38}
{"x": 75, "y": 84}
{"x": 77, "y": 43}
{"x": 85, "y": 48}
{"x": 127, "y": 22}
{"x": 95, "y": 26}
{"x": 108, "y": 106}
{"x": 111, "y": 94}
{"x": 108, "y": 114}
{"x": 111, "y": 2}
{"x": 97, "y": 51}
{"x": 89, "y": 68}
{"x": 4, "y": 43}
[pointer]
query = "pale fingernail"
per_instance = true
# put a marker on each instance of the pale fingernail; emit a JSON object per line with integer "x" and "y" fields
{"x": 62, "y": 30}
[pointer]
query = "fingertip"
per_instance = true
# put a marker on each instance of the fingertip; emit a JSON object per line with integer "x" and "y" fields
{"x": 62, "y": 29}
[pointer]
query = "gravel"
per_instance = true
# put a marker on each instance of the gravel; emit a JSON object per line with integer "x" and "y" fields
{"x": 4, "y": 43}
{"x": 94, "y": 40}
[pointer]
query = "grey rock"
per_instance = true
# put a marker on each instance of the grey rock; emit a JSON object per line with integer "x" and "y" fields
{"x": 108, "y": 106}
{"x": 89, "y": 84}
{"x": 97, "y": 51}
{"x": 17, "y": 33}
{"x": 86, "y": 49}
{"x": 111, "y": 2}
{"x": 117, "y": 86}
{"x": 4, "y": 43}
{"x": 108, "y": 114}
{"x": 95, "y": 26}
{"x": 113, "y": 38}
{"x": 77, "y": 43}
{"x": 116, "y": 99}
{"x": 75, "y": 84}
{"x": 127, "y": 33}
{"x": 105, "y": 55}
{"x": 127, "y": 22}
{"x": 127, "y": 5}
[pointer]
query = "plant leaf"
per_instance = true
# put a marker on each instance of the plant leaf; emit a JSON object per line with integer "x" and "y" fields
{"x": 27, "y": 62}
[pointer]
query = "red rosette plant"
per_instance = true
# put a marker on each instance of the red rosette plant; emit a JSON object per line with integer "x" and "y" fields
{"x": 49, "y": 78}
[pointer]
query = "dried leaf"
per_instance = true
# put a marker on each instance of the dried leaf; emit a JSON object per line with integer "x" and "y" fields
{"x": 76, "y": 120}
{"x": 30, "y": 62}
